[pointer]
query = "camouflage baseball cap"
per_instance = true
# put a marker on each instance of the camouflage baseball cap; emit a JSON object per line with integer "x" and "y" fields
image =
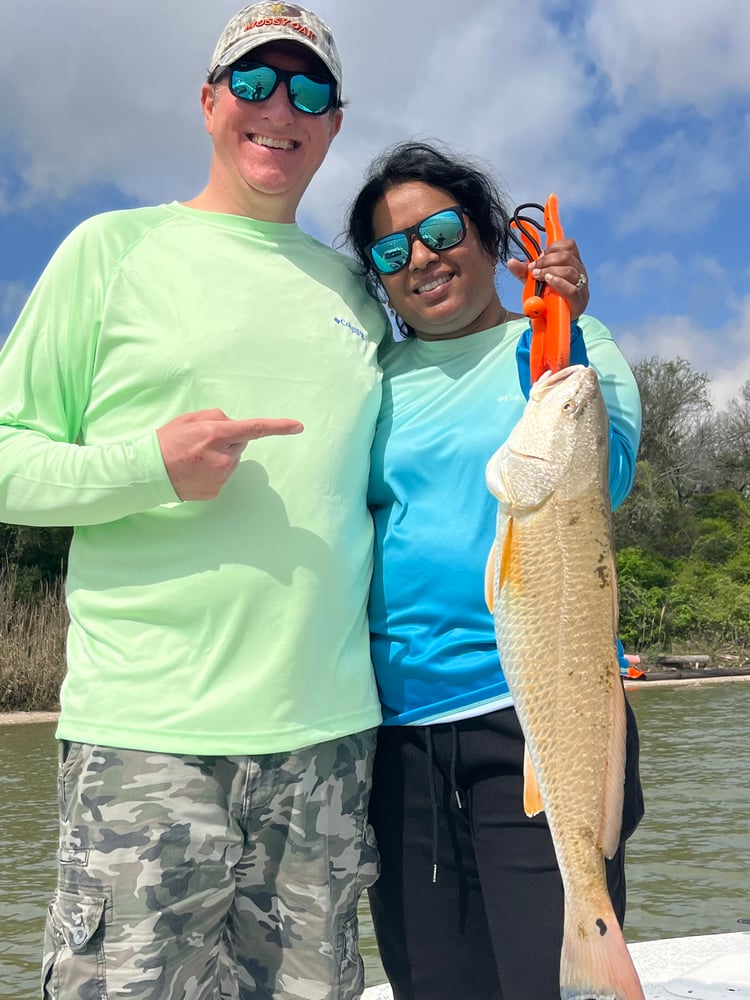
{"x": 275, "y": 22}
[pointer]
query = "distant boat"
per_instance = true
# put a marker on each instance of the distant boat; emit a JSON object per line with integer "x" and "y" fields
{"x": 678, "y": 667}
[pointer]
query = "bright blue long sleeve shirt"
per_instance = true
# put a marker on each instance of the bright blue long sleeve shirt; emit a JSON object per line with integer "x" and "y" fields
{"x": 447, "y": 407}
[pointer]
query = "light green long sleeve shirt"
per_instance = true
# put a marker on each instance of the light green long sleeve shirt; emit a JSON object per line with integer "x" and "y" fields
{"x": 236, "y": 625}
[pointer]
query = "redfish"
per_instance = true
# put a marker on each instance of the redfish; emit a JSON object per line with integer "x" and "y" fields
{"x": 551, "y": 585}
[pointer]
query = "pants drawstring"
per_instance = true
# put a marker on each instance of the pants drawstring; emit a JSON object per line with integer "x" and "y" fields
{"x": 433, "y": 794}
{"x": 454, "y": 758}
{"x": 433, "y": 802}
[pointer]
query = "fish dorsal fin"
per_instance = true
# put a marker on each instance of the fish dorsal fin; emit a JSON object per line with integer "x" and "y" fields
{"x": 532, "y": 797}
{"x": 614, "y": 784}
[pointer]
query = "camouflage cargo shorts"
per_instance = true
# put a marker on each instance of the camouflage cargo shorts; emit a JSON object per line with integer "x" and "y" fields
{"x": 210, "y": 877}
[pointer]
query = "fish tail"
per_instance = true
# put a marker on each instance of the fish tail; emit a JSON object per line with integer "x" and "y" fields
{"x": 595, "y": 962}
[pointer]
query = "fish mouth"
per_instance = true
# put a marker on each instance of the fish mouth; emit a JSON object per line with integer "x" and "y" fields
{"x": 581, "y": 376}
{"x": 529, "y": 455}
{"x": 559, "y": 376}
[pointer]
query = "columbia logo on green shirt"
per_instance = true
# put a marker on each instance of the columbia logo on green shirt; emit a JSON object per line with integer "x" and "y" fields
{"x": 350, "y": 326}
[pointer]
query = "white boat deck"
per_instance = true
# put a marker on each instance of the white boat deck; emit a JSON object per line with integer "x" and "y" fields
{"x": 709, "y": 967}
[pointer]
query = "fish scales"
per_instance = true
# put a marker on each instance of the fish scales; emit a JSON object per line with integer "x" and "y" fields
{"x": 551, "y": 583}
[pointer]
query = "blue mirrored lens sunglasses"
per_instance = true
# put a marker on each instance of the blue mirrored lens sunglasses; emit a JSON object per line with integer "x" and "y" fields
{"x": 441, "y": 231}
{"x": 254, "y": 81}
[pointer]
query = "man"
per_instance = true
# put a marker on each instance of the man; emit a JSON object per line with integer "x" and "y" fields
{"x": 218, "y": 714}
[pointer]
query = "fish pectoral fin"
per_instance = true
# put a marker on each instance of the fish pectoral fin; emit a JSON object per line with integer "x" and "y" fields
{"x": 497, "y": 570}
{"x": 505, "y": 555}
{"x": 532, "y": 797}
{"x": 489, "y": 577}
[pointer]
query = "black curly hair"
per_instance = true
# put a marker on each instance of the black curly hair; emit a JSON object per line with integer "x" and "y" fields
{"x": 435, "y": 164}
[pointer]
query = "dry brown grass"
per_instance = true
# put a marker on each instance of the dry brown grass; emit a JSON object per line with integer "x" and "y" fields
{"x": 32, "y": 648}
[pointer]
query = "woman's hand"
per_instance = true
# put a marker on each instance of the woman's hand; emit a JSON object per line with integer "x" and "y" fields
{"x": 560, "y": 266}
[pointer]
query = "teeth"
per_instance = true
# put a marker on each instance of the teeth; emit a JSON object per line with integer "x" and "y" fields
{"x": 433, "y": 284}
{"x": 264, "y": 140}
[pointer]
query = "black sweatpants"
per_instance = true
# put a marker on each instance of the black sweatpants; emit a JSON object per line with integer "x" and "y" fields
{"x": 490, "y": 927}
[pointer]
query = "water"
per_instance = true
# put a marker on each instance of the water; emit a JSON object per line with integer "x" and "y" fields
{"x": 28, "y": 836}
{"x": 688, "y": 863}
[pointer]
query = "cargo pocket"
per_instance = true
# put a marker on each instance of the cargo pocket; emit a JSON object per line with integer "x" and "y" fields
{"x": 70, "y": 762}
{"x": 73, "y": 963}
{"x": 369, "y": 862}
{"x": 351, "y": 966}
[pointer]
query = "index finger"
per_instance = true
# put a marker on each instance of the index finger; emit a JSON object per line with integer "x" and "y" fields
{"x": 242, "y": 431}
{"x": 559, "y": 252}
{"x": 564, "y": 245}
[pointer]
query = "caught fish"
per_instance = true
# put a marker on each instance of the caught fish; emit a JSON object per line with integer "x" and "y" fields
{"x": 551, "y": 585}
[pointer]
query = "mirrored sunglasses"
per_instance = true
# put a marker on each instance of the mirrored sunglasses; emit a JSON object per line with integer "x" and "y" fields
{"x": 253, "y": 81}
{"x": 440, "y": 231}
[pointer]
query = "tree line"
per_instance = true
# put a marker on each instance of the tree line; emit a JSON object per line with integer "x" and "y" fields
{"x": 682, "y": 536}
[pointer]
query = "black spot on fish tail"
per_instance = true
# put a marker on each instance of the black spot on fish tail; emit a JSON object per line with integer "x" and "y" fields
{"x": 602, "y": 926}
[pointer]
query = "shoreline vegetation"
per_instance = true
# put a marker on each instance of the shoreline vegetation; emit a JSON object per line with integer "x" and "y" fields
{"x": 32, "y": 656}
{"x": 32, "y": 647}
{"x": 31, "y": 716}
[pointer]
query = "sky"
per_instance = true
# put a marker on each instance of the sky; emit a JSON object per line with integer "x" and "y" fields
{"x": 635, "y": 113}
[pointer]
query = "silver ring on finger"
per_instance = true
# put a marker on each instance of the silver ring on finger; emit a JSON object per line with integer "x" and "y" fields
{"x": 582, "y": 281}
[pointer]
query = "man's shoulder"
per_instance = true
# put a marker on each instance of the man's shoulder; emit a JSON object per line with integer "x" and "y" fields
{"x": 102, "y": 240}
{"x": 124, "y": 220}
{"x": 336, "y": 257}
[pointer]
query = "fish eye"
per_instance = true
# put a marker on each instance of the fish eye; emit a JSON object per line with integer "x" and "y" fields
{"x": 569, "y": 406}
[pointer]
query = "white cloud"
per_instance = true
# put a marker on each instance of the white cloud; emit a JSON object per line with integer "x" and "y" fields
{"x": 110, "y": 95}
{"x": 628, "y": 278}
{"x": 674, "y": 182}
{"x": 697, "y": 281}
{"x": 722, "y": 353}
{"x": 734, "y": 369}
{"x": 111, "y": 98}
{"x": 668, "y": 53}
{"x": 626, "y": 107}
{"x": 427, "y": 70}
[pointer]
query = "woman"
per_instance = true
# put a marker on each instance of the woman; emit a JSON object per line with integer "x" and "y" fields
{"x": 469, "y": 903}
